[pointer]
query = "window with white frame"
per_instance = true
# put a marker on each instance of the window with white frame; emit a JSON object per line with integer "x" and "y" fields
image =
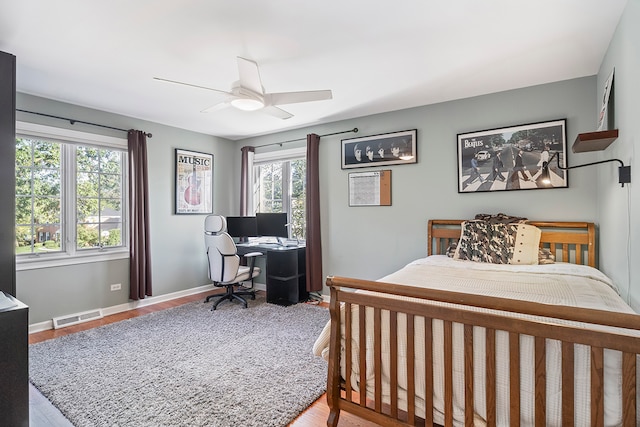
{"x": 279, "y": 185}
{"x": 70, "y": 193}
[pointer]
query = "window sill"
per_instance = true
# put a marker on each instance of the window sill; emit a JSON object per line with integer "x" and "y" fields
{"x": 63, "y": 260}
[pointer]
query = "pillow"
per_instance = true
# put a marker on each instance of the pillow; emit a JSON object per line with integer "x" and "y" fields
{"x": 544, "y": 254}
{"x": 451, "y": 249}
{"x": 498, "y": 243}
{"x": 500, "y": 218}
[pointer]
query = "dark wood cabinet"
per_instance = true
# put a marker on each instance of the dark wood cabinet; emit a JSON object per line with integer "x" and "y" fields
{"x": 286, "y": 278}
{"x": 14, "y": 365}
{"x": 7, "y": 172}
{"x": 14, "y": 321}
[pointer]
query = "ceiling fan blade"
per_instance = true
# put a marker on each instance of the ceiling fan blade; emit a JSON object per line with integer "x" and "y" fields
{"x": 295, "y": 97}
{"x": 277, "y": 112}
{"x": 250, "y": 75}
{"x": 192, "y": 85}
{"x": 216, "y": 107}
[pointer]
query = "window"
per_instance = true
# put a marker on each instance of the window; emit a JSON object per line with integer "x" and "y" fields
{"x": 70, "y": 194}
{"x": 279, "y": 185}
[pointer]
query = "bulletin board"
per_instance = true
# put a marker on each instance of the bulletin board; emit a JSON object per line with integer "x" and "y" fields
{"x": 370, "y": 188}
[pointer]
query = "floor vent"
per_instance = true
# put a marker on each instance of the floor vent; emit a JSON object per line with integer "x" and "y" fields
{"x": 74, "y": 319}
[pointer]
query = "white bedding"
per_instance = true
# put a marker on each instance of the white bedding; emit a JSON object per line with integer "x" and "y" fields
{"x": 560, "y": 283}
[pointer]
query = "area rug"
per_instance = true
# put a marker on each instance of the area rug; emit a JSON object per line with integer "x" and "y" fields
{"x": 187, "y": 366}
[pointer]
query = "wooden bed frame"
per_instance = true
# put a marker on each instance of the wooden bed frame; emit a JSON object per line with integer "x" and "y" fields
{"x": 571, "y": 242}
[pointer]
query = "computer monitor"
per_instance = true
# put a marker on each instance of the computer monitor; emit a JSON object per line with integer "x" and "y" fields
{"x": 272, "y": 224}
{"x": 242, "y": 227}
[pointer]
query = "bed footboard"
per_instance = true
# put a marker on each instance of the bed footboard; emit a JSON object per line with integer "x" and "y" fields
{"x": 396, "y": 354}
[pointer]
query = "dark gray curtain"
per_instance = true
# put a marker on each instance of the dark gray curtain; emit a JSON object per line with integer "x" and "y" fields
{"x": 139, "y": 243}
{"x": 244, "y": 180}
{"x": 314, "y": 243}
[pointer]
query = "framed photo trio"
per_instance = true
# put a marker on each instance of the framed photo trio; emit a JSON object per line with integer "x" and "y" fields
{"x": 380, "y": 150}
{"x": 513, "y": 158}
{"x": 194, "y": 182}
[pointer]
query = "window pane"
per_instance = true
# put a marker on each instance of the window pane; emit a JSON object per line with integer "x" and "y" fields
{"x": 298, "y": 198}
{"x": 23, "y": 181}
{"x": 87, "y": 210}
{"x": 111, "y": 234}
{"x": 46, "y": 210}
{"x": 46, "y": 182}
{"x": 269, "y": 188}
{"x": 23, "y": 210}
{"x": 112, "y": 208}
{"x": 87, "y": 236}
{"x": 24, "y": 239}
{"x": 88, "y": 159}
{"x": 47, "y": 237}
{"x": 281, "y": 187}
{"x": 110, "y": 186}
{"x": 46, "y": 154}
{"x": 23, "y": 152}
{"x": 38, "y": 195}
{"x": 99, "y": 203}
{"x": 110, "y": 161}
{"x": 88, "y": 184}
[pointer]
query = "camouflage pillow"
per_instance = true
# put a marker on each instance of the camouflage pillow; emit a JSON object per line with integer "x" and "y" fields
{"x": 451, "y": 249}
{"x": 498, "y": 243}
{"x": 545, "y": 256}
{"x": 500, "y": 218}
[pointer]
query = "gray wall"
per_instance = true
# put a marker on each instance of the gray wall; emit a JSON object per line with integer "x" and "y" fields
{"x": 178, "y": 261}
{"x": 617, "y": 206}
{"x": 369, "y": 242}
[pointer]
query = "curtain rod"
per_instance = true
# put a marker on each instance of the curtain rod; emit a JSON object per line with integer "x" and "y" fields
{"x": 74, "y": 121}
{"x": 355, "y": 130}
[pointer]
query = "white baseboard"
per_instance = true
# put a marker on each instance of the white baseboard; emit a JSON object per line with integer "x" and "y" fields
{"x": 131, "y": 305}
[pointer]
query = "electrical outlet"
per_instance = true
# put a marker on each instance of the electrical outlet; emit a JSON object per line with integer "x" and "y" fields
{"x": 116, "y": 287}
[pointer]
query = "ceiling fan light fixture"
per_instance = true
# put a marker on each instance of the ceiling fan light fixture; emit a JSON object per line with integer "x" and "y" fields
{"x": 247, "y": 104}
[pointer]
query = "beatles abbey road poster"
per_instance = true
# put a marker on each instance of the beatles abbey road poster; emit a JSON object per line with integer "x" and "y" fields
{"x": 513, "y": 158}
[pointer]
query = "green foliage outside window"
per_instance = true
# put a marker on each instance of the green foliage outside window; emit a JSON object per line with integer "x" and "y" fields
{"x": 38, "y": 193}
{"x": 98, "y": 189}
{"x": 298, "y": 198}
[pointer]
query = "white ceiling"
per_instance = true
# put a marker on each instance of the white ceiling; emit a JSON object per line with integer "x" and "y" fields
{"x": 375, "y": 56}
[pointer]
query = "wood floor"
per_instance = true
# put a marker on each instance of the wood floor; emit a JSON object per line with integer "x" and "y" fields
{"x": 43, "y": 413}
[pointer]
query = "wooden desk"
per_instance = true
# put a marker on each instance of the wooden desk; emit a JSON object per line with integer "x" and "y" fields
{"x": 285, "y": 271}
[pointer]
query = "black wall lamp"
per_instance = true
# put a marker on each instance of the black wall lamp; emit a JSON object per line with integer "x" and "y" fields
{"x": 624, "y": 172}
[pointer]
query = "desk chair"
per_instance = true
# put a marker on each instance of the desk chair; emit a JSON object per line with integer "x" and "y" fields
{"x": 224, "y": 263}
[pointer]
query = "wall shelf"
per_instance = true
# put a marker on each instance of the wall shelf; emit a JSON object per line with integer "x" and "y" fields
{"x": 594, "y": 141}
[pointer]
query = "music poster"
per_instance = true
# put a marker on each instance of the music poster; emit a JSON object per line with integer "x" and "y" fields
{"x": 194, "y": 182}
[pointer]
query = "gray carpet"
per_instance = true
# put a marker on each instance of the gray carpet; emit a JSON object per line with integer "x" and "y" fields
{"x": 187, "y": 366}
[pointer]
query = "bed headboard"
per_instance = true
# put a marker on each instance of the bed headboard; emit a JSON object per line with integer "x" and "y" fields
{"x": 573, "y": 242}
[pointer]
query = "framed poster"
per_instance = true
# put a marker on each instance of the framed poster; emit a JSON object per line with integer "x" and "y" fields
{"x": 380, "y": 150}
{"x": 512, "y": 158}
{"x": 194, "y": 182}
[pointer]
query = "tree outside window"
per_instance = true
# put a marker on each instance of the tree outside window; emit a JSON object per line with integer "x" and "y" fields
{"x": 66, "y": 193}
{"x": 38, "y": 196}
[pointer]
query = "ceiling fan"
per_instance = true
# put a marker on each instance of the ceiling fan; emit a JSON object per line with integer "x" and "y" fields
{"x": 248, "y": 94}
